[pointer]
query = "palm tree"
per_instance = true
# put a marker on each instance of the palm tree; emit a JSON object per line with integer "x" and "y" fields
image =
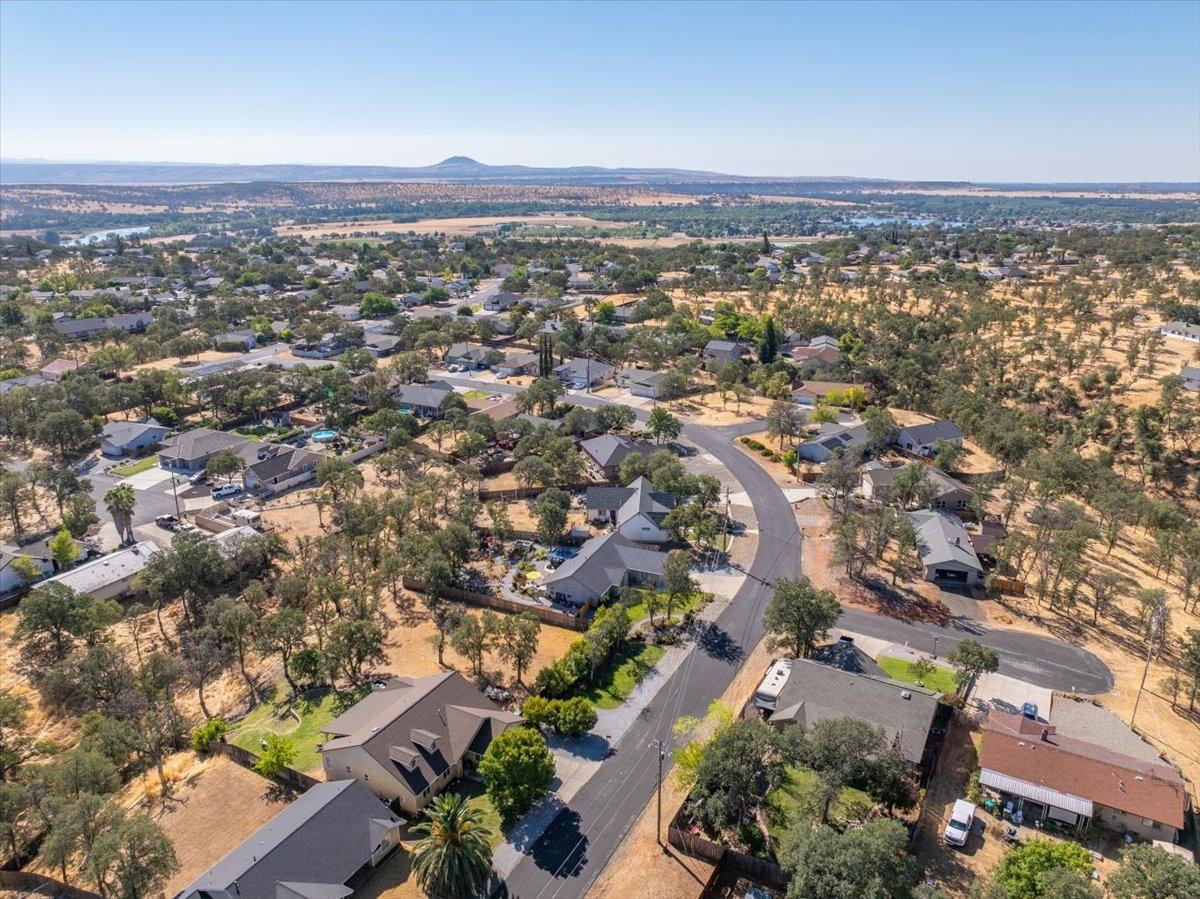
{"x": 120, "y": 502}
{"x": 454, "y": 859}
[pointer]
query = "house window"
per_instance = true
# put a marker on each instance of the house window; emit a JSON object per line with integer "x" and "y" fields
{"x": 347, "y": 769}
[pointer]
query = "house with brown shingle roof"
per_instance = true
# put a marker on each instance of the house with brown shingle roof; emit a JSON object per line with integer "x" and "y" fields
{"x": 409, "y": 740}
{"x": 1047, "y": 775}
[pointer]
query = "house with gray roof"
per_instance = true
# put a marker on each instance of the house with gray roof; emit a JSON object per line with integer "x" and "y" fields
{"x": 110, "y": 576}
{"x": 380, "y": 345}
{"x": 409, "y": 740}
{"x": 815, "y": 691}
{"x": 945, "y": 493}
{"x": 322, "y": 846}
{"x": 946, "y": 551}
{"x": 638, "y": 510}
{"x": 581, "y": 374}
{"x": 723, "y": 351}
{"x": 831, "y": 440}
{"x": 603, "y": 566}
{"x": 424, "y": 400}
{"x": 190, "y": 451}
{"x": 921, "y": 440}
{"x": 289, "y": 467}
{"x": 471, "y": 356}
{"x": 1191, "y": 377}
{"x": 28, "y": 382}
{"x": 1181, "y": 331}
{"x": 515, "y": 364}
{"x": 131, "y": 438}
{"x": 83, "y": 328}
{"x": 502, "y": 301}
{"x": 608, "y": 451}
{"x": 642, "y": 383}
{"x": 10, "y": 578}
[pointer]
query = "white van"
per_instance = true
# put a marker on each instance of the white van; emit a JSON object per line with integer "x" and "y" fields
{"x": 958, "y": 828}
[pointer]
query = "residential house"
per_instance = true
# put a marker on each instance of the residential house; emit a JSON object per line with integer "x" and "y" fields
{"x": 347, "y": 312}
{"x": 131, "y": 438}
{"x": 380, "y": 345}
{"x": 52, "y": 371}
{"x": 831, "y": 440}
{"x": 190, "y": 451}
{"x": 1191, "y": 377}
{"x": 642, "y": 383}
{"x": 810, "y": 393}
{"x": 26, "y": 382}
{"x": 846, "y": 685}
{"x": 83, "y": 328}
{"x": 1043, "y": 772}
{"x": 922, "y": 439}
{"x": 723, "y": 351}
{"x": 10, "y": 580}
{"x": 947, "y": 494}
{"x": 236, "y": 340}
{"x": 608, "y": 451}
{"x": 820, "y": 358}
{"x": 409, "y": 740}
{"x": 471, "y": 356}
{"x": 322, "y": 846}
{"x": 516, "y": 365}
{"x": 110, "y": 576}
{"x": 824, "y": 341}
{"x": 423, "y": 400}
{"x": 638, "y": 510}
{"x": 502, "y": 301}
{"x": 603, "y": 566}
{"x": 328, "y": 346}
{"x": 1181, "y": 331}
{"x": 946, "y": 550}
{"x": 582, "y": 374}
{"x": 289, "y": 467}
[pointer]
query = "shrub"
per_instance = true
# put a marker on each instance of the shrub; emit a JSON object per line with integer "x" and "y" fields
{"x": 539, "y": 711}
{"x": 974, "y": 790}
{"x": 207, "y": 733}
{"x": 575, "y": 717}
{"x": 517, "y": 769}
{"x": 278, "y": 755}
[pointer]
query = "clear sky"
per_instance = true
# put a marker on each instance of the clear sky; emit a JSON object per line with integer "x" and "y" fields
{"x": 970, "y": 91}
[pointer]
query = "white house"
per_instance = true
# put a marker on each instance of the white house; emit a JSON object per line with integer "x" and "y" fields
{"x": 110, "y": 576}
{"x": 1181, "y": 331}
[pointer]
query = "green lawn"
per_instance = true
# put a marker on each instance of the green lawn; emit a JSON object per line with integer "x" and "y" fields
{"x": 940, "y": 679}
{"x": 796, "y": 798}
{"x": 474, "y": 395}
{"x": 135, "y": 467}
{"x": 315, "y": 708}
{"x": 616, "y": 680}
{"x": 477, "y": 798}
{"x": 678, "y": 608}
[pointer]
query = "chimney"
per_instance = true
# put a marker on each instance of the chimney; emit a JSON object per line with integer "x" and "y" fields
{"x": 1045, "y": 735}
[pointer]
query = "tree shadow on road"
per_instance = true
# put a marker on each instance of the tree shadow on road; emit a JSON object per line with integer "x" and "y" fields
{"x": 562, "y": 849}
{"x": 716, "y": 642}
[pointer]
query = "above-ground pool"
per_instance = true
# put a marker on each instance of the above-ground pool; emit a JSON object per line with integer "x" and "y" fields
{"x": 324, "y": 435}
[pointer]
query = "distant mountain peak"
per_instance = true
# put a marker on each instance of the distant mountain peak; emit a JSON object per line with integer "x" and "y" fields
{"x": 459, "y": 162}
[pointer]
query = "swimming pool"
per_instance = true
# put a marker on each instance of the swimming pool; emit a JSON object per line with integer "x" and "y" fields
{"x": 324, "y": 435}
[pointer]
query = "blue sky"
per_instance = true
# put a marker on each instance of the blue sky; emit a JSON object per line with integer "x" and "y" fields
{"x": 978, "y": 91}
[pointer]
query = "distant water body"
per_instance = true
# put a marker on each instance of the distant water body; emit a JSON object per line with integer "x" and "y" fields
{"x": 101, "y": 236}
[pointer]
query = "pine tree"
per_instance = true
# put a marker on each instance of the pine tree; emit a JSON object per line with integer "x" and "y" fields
{"x": 768, "y": 345}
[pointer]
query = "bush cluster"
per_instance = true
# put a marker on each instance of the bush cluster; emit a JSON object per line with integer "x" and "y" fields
{"x": 571, "y": 717}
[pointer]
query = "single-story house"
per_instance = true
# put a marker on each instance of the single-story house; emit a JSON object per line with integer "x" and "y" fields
{"x": 10, "y": 580}
{"x": 581, "y": 374}
{"x": 1041, "y": 772}
{"x": 28, "y": 382}
{"x": 83, "y": 328}
{"x": 832, "y": 439}
{"x": 723, "y": 351}
{"x": 287, "y": 468}
{"x": 52, "y": 371}
{"x": 131, "y": 438}
{"x": 816, "y": 689}
{"x": 824, "y": 341}
{"x": 1191, "y": 377}
{"x": 608, "y": 451}
{"x": 810, "y": 393}
{"x": 409, "y": 740}
{"x": 472, "y": 356}
{"x": 502, "y": 301}
{"x": 947, "y": 494}
{"x": 315, "y": 848}
{"x": 946, "y": 550}
{"x": 642, "y": 383}
{"x": 604, "y": 565}
{"x": 1181, "y": 331}
{"x": 517, "y": 364}
{"x": 922, "y": 439}
{"x": 242, "y": 340}
{"x": 424, "y": 400}
{"x": 347, "y": 312}
{"x": 190, "y": 451}
{"x": 820, "y": 358}
{"x": 637, "y": 510}
{"x": 110, "y": 576}
{"x": 326, "y": 347}
{"x": 380, "y": 345}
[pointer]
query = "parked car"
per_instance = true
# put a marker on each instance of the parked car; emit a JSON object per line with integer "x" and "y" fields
{"x": 168, "y": 522}
{"x": 198, "y": 478}
{"x": 958, "y": 828}
{"x": 225, "y": 490}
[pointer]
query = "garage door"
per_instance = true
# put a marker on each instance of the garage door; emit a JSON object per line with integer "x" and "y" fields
{"x": 947, "y": 574}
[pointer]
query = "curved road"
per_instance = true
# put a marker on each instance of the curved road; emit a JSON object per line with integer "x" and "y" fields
{"x": 570, "y": 854}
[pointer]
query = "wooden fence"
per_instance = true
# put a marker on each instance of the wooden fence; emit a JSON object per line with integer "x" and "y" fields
{"x": 527, "y": 492}
{"x": 487, "y": 600}
{"x": 699, "y": 846}
{"x": 290, "y": 777}
{"x": 42, "y": 885}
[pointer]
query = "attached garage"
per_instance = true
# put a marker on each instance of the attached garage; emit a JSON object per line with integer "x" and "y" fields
{"x": 950, "y": 575}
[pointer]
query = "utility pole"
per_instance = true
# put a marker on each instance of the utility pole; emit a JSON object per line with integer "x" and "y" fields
{"x": 1155, "y": 619}
{"x": 658, "y": 817}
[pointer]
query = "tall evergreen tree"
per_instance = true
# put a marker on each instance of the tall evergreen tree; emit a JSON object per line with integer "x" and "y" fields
{"x": 768, "y": 344}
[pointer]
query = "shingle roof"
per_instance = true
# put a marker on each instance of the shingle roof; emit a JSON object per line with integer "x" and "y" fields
{"x": 942, "y": 538}
{"x": 1083, "y": 720}
{"x": 1015, "y": 746}
{"x": 604, "y": 562}
{"x": 107, "y": 570}
{"x": 313, "y": 846}
{"x": 123, "y": 432}
{"x": 934, "y": 430}
{"x": 815, "y": 692}
{"x": 200, "y": 442}
{"x": 613, "y": 449}
{"x": 422, "y": 395}
{"x": 283, "y": 461}
{"x": 584, "y": 368}
{"x": 644, "y": 499}
{"x": 444, "y": 704}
